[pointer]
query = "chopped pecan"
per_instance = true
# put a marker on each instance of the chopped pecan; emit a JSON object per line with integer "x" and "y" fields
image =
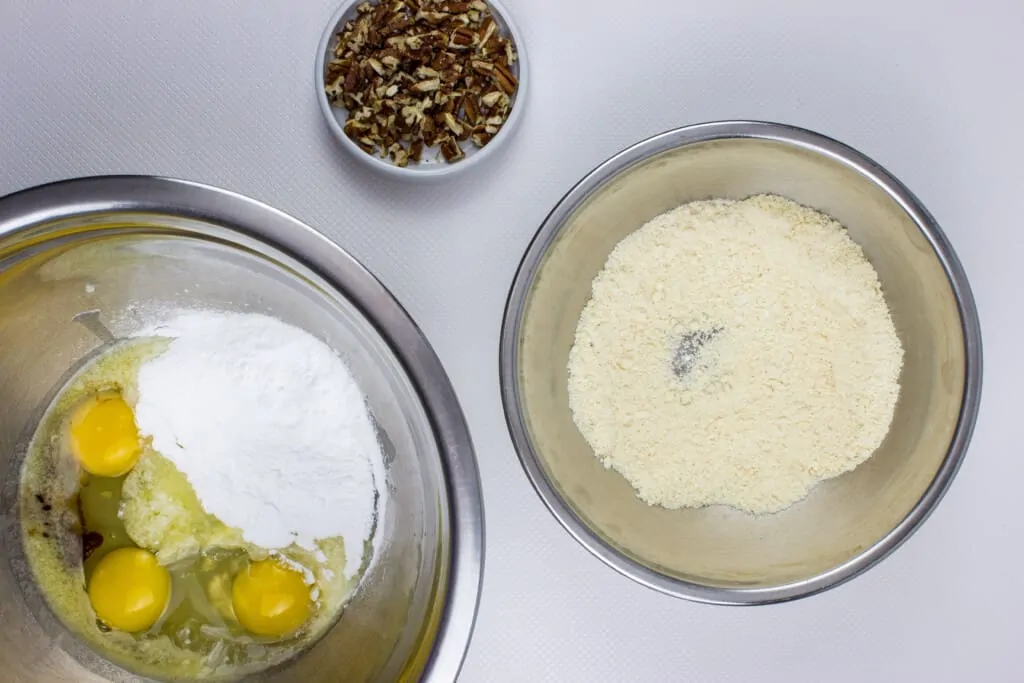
{"x": 504, "y": 79}
{"x": 450, "y": 150}
{"x": 429, "y": 85}
{"x": 481, "y": 138}
{"x": 463, "y": 38}
{"x": 419, "y": 74}
{"x": 491, "y": 98}
{"x": 416, "y": 150}
{"x": 453, "y": 125}
{"x": 470, "y": 107}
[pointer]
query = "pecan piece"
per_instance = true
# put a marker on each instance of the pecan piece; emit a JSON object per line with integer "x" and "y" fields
{"x": 450, "y": 150}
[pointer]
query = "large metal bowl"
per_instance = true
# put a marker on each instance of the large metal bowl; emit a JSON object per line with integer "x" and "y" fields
{"x": 124, "y": 246}
{"x": 847, "y": 524}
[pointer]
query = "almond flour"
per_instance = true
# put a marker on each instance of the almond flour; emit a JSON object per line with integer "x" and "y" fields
{"x": 735, "y": 353}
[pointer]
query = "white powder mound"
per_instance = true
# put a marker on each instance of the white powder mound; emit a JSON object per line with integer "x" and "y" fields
{"x": 735, "y": 353}
{"x": 270, "y": 428}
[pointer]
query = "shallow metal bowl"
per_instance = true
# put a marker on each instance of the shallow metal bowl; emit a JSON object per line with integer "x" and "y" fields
{"x": 120, "y": 248}
{"x": 847, "y": 524}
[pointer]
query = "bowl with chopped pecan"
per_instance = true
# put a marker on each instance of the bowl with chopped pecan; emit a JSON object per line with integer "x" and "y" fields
{"x": 422, "y": 88}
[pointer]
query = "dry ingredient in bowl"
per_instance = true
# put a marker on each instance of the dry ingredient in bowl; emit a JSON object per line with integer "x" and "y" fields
{"x": 422, "y": 75}
{"x": 736, "y": 353}
{"x": 260, "y": 423}
{"x": 270, "y": 428}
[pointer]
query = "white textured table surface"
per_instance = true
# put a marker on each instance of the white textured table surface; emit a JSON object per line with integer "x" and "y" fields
{"x": 221, "y": 91}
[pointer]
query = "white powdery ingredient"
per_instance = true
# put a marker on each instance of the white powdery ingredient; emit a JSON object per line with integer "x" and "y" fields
{"x": 736, "y": 353}
{"x": 270, "y": 428}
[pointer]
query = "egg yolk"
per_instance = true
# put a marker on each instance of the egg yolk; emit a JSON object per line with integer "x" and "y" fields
{"x": 104, "y": 438}
{"x": 270, "y": 598}
{"x": 129, "y": 590}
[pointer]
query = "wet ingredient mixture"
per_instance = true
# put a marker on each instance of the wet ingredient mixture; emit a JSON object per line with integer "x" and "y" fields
{"x": 735, "y": 353}
{"x": 217, "y": 571}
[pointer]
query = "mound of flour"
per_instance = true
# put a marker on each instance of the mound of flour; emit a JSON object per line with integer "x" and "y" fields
{"x": 736, "y": 353}
{"x": 270, "y": 428}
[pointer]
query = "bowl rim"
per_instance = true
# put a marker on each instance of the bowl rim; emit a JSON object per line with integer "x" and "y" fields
{"x": 31, "y": 208}
{"x": 530, "y": 265}
{"x": 424, "y": 172}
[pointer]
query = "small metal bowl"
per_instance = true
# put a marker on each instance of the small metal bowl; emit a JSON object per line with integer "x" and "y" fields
{"x": 847, "y": 524}
{"x": 425, "y": 170}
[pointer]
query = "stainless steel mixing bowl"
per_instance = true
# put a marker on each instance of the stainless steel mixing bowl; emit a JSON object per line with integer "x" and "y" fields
{"x": 847, "y": 524}
{"x": 127, "y": 246}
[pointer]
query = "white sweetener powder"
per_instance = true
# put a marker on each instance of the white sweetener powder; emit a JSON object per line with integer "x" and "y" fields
{"x": 270, "y": 428}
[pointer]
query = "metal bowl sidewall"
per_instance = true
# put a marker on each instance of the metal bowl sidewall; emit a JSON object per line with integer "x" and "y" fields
{"x": 103, "y": 194}
{"x": 531, "y": 264}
